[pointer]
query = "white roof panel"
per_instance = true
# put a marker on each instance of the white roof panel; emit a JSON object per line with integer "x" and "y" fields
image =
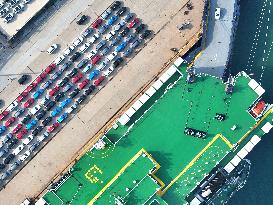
{"x": 144, "y": 98}
{"x": 255, "y": 139}
{"x": 253, "y": 84}
{"x": 267, "y": 127}
{"x": 130, "y": 112}
{"x": 249, "y": 146}
{"x": 123, "y": 119}
{"x": 229, "y": 167}
{"x": 195, "y": 201}
{"x": 150, "y": 91}
{"x": 242, "y": 153}
{"x": 164, "y": 78}
{"x": 157, "y": 84}
{"x": 41, "y": 201}
{"x": 178, "y": 61}
{"x": 236, "y": 160}
{"x": 137, "y": 105}
{"x": 259, "y": 90}
{"x": 171, "y": 70}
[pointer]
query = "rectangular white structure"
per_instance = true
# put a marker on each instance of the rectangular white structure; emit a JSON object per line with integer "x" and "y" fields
{"x": 255, "y": 139}
{"x": 124, "y": 119}
{"x": 171, "y": 70}
{"x": 242, "y": 153}
{"x": 267, "y": 127}
{"x": 150, "y": 91}
{"x": 130, "y": 112}
{"x": 229, "y": 167}
{"x": 249, "y": 146}
{"x": 195, "y": 201}
{"x": 236, "y": 160}
{"x": 164, "y": 78}
{"x": 259, "y": 90}
{"x": 137, "y": 105}
{"x": 157, "y": 84}
{"x": 178, "y": 62}
{"x": 41, "y": 201}
{"x": 144, "y": 98}
{"x": 253, "y": 84}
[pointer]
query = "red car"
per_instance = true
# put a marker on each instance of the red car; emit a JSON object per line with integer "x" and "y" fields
{"x": 10, "y": 121}
{"x": 133, "y": 23}
{"x": 95, "y": 59}
{"x": 77, "y": 78}
{"x": 41, "y": 77}
{"x": 50, "y": 68}
{"x": 17, "y": 128}
{"x": 96, "y": 23}
{"x": 29, "y": 102}
{"x": 99, "y": 80}
{"x": 54, "y": 91}
{"x": 22, "y": 96}
{"x": 83, "y": 84}
{"x": 22, "y": 133}
{"x": 31, "y": 87}
{"x": 53, "y": 127}
{"x": 4, "y": 114}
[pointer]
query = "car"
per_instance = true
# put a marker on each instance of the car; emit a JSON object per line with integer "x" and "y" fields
{"x": 125, "y": 31}
{"x": 93, "y": 74}
{"x": 84, "y": 47}
{"x": 40, "y": 114}
{"x": 2, "y": 129}
{"x": 81, "y": 99}
{"x": 31, "y": 87}
{"x": 121, "y": 47}
{"x": 60, "y": 95}
{"x": 27, "y": 1}
{"x": 99, "y": 81}
{"x": 130, "y": 38}
{"x": 53, "y": 127}
{"x": 23, "y": 79}
{"x": 64, "y": 81}
{"x": 134, "y": 22}
{"x": 75, "y": 56}
{"x": 68, "y": 50}
{"x": 50, "y": 68}
{"x": 59, "y": 59}
{"x": 106, "y": 13}
{"x": 4, "y": 11}
{"x": 103, "y": 65}
{"x": 50, "y": 105}
{"x": 217, "y": 13}
{"x": 2, "y": 166}
{"x": 91, "y": 54}
{"x": 41, "y": 77}
{"x": 136, "y": 43}
{"x": 87, "y": 32}
{"x": 115, "y": 5}
{"x": 89, "y": 90}
{"x": 94, "y": 38}
{"x": 12, "y": 106}
{"x": 72, "y": 108}
{"x": 19, "y": 112}
{"x": 23, "y": 157}
{"x": 17, "y": 9}
{"x": 22, "y": 96}
{"x": 119, "y": 26}
{"x": 56, "y": 75}
{"x": 12, "y": 143}
{"x": 10, "y": 121}
{"x": 34, "y": 147}
{"x": 38, "y": 93}
{"x": 82, "y": 63}
{"x": 35, "y": 109}
{"x": 42, "y": 137}
{"x": 108, "y": 71}
{"x": 67, "y": 87}
{"x": 14, "y": 166}
{"x": 87, "y": 68}
{"x": 72, "y": 73}
{"x": 22, "y": 133}
{"x": 37, "y": 130}
{"x": 146, "y": 34}
{"x": 112, "y": 20}
{"x": 97, "y": 23}
{"x": 103, "y": 29}
{"x": 26, "y": 119}
{"x": 32, "y": 124}
{"x": 105, "y": 50}
{"x": 83, "y": 84}
{"x": 65, "y": 66}
{"x": 52, "y": 48}
{"x": 4, "y": 114}
{"x": 110, "y": 35}
{"x": 100, "y": 45}
{"x": 112, "y": 56}
{"x": 128, "y": 52}
{"x": 8, "y": 159}
{"x": 78, "y": 41}
{"x": 81, "y": 20}
{"x": 8, "y": 17}
{"x": 62, "y": 117}
{"x": 117, "y": 62}
{"x": 115, "y": 41}
{"x": 65, "y": 103}
{"x": 17, "y": 128}
{"x": 128, "y": 17}
{"x": 54, "y": 90}
{"x": 7, "y": 138}
{"x": 56, "y": 111}
{"x": 121, "y": 11}
{"x": 27, "y": 140}
{"x": 47, "y": 84}
{"x": 47, "y": 121}
{"x": 74, "y": 93}
{"x": 77, "y": 78}
{"x": 95, "y": 59}
{"x": 140, "y": 28}
{"x": 29, "y": 102}
{"x": 12, "y": 3}
{"x": 18, "y": 149}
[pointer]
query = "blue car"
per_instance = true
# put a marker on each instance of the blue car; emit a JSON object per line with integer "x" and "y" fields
{"x": 112, "y": 20}
{"x": 121, "y": 47}
{"x": 93, "y": 74}
{"x": 56, "y": 111}
{"x": 62, "y": 117}
{"x": 2, "y": 129}
{"x": 30, "y": 125}
{"x": 115, "y": 41}
{"x": 65, "y": 102}
{"x": 38, "y": 93}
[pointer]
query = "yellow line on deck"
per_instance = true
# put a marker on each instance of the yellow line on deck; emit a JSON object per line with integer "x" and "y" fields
{"x": 226, "y": 141}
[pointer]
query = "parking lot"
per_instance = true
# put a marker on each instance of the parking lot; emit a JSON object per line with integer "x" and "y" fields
{"x": 122, "y": 86}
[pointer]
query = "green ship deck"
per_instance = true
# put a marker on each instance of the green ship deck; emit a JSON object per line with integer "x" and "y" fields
{"x": 150, "y": 160}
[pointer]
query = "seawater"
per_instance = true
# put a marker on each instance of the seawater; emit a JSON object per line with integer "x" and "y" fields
{"x": 253, "y": 53}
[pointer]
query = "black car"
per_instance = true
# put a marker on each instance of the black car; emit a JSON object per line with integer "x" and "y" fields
{"x": 72, "y": 73}
{"x": 89, "y": 90}
{"x": 121, "y": 11}
{"x": 8, "y": 159}
{"x": 2, "y": 166}
{"x": 140, "y": 28}
{"x": 50, "y": 105}
{"x": 74, "y": 93}
{"x": 37, "y": 130}
{"x": 124, "y": 32}
{"x": 117, "y": 62}
{"x": 47, "y": 121}
{"x": 81, "y": 99}
{"x": 41, "y": 114}
{"x": 82, "y": 20}
{"x": 136, "y": 43}
{"x": 26, "y": 119}
{"x": 75, "y": 56}
{"x": 115, "y": 5}
{"x": 64, "y": 81}
{"x": 59, "y": 96}
{"x": 8, "y": 137}
{"x": 146, "y": 34}
{"x": 23, "y": 79}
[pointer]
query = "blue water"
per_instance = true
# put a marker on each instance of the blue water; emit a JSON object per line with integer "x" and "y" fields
{"x": 253, "y": 52}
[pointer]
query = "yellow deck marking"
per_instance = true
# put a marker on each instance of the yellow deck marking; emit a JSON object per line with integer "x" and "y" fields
{"x": 226, "y": 141}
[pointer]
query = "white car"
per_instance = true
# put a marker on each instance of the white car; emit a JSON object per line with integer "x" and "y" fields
{"x": 73, "y": 107}
{"x": 27, "y": 140}
{"x": 217, "y": 13}
{"x": 94, "y": 38}
{"x": 59, "y": 59}
{"x": 12, "y": 106}
{"x": 103, "y": 65}
{"x": 1, "y": 4}
{"x": 84, "y": 47}
{"x": 91, "y": 54}
{"x": 112, "y": 56}
{"x": 42, "y": 137}
{"x": 69, "y": 50}
{"x": 108, "y": 71}
{"x": 52, "y": 48}
{"x": 110, "y": 35}
{"x": 18, "y": 149}
{"x": 34, "y": 110}
{"x": 24, "y": 156}
{"x": 78, "y": 41}
{"x": 87, "y": 68}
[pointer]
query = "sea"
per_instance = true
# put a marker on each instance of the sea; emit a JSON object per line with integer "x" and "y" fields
{"x": 253, "y": 53}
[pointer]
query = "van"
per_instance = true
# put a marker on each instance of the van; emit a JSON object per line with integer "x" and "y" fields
{"x": 34, "y": 110}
